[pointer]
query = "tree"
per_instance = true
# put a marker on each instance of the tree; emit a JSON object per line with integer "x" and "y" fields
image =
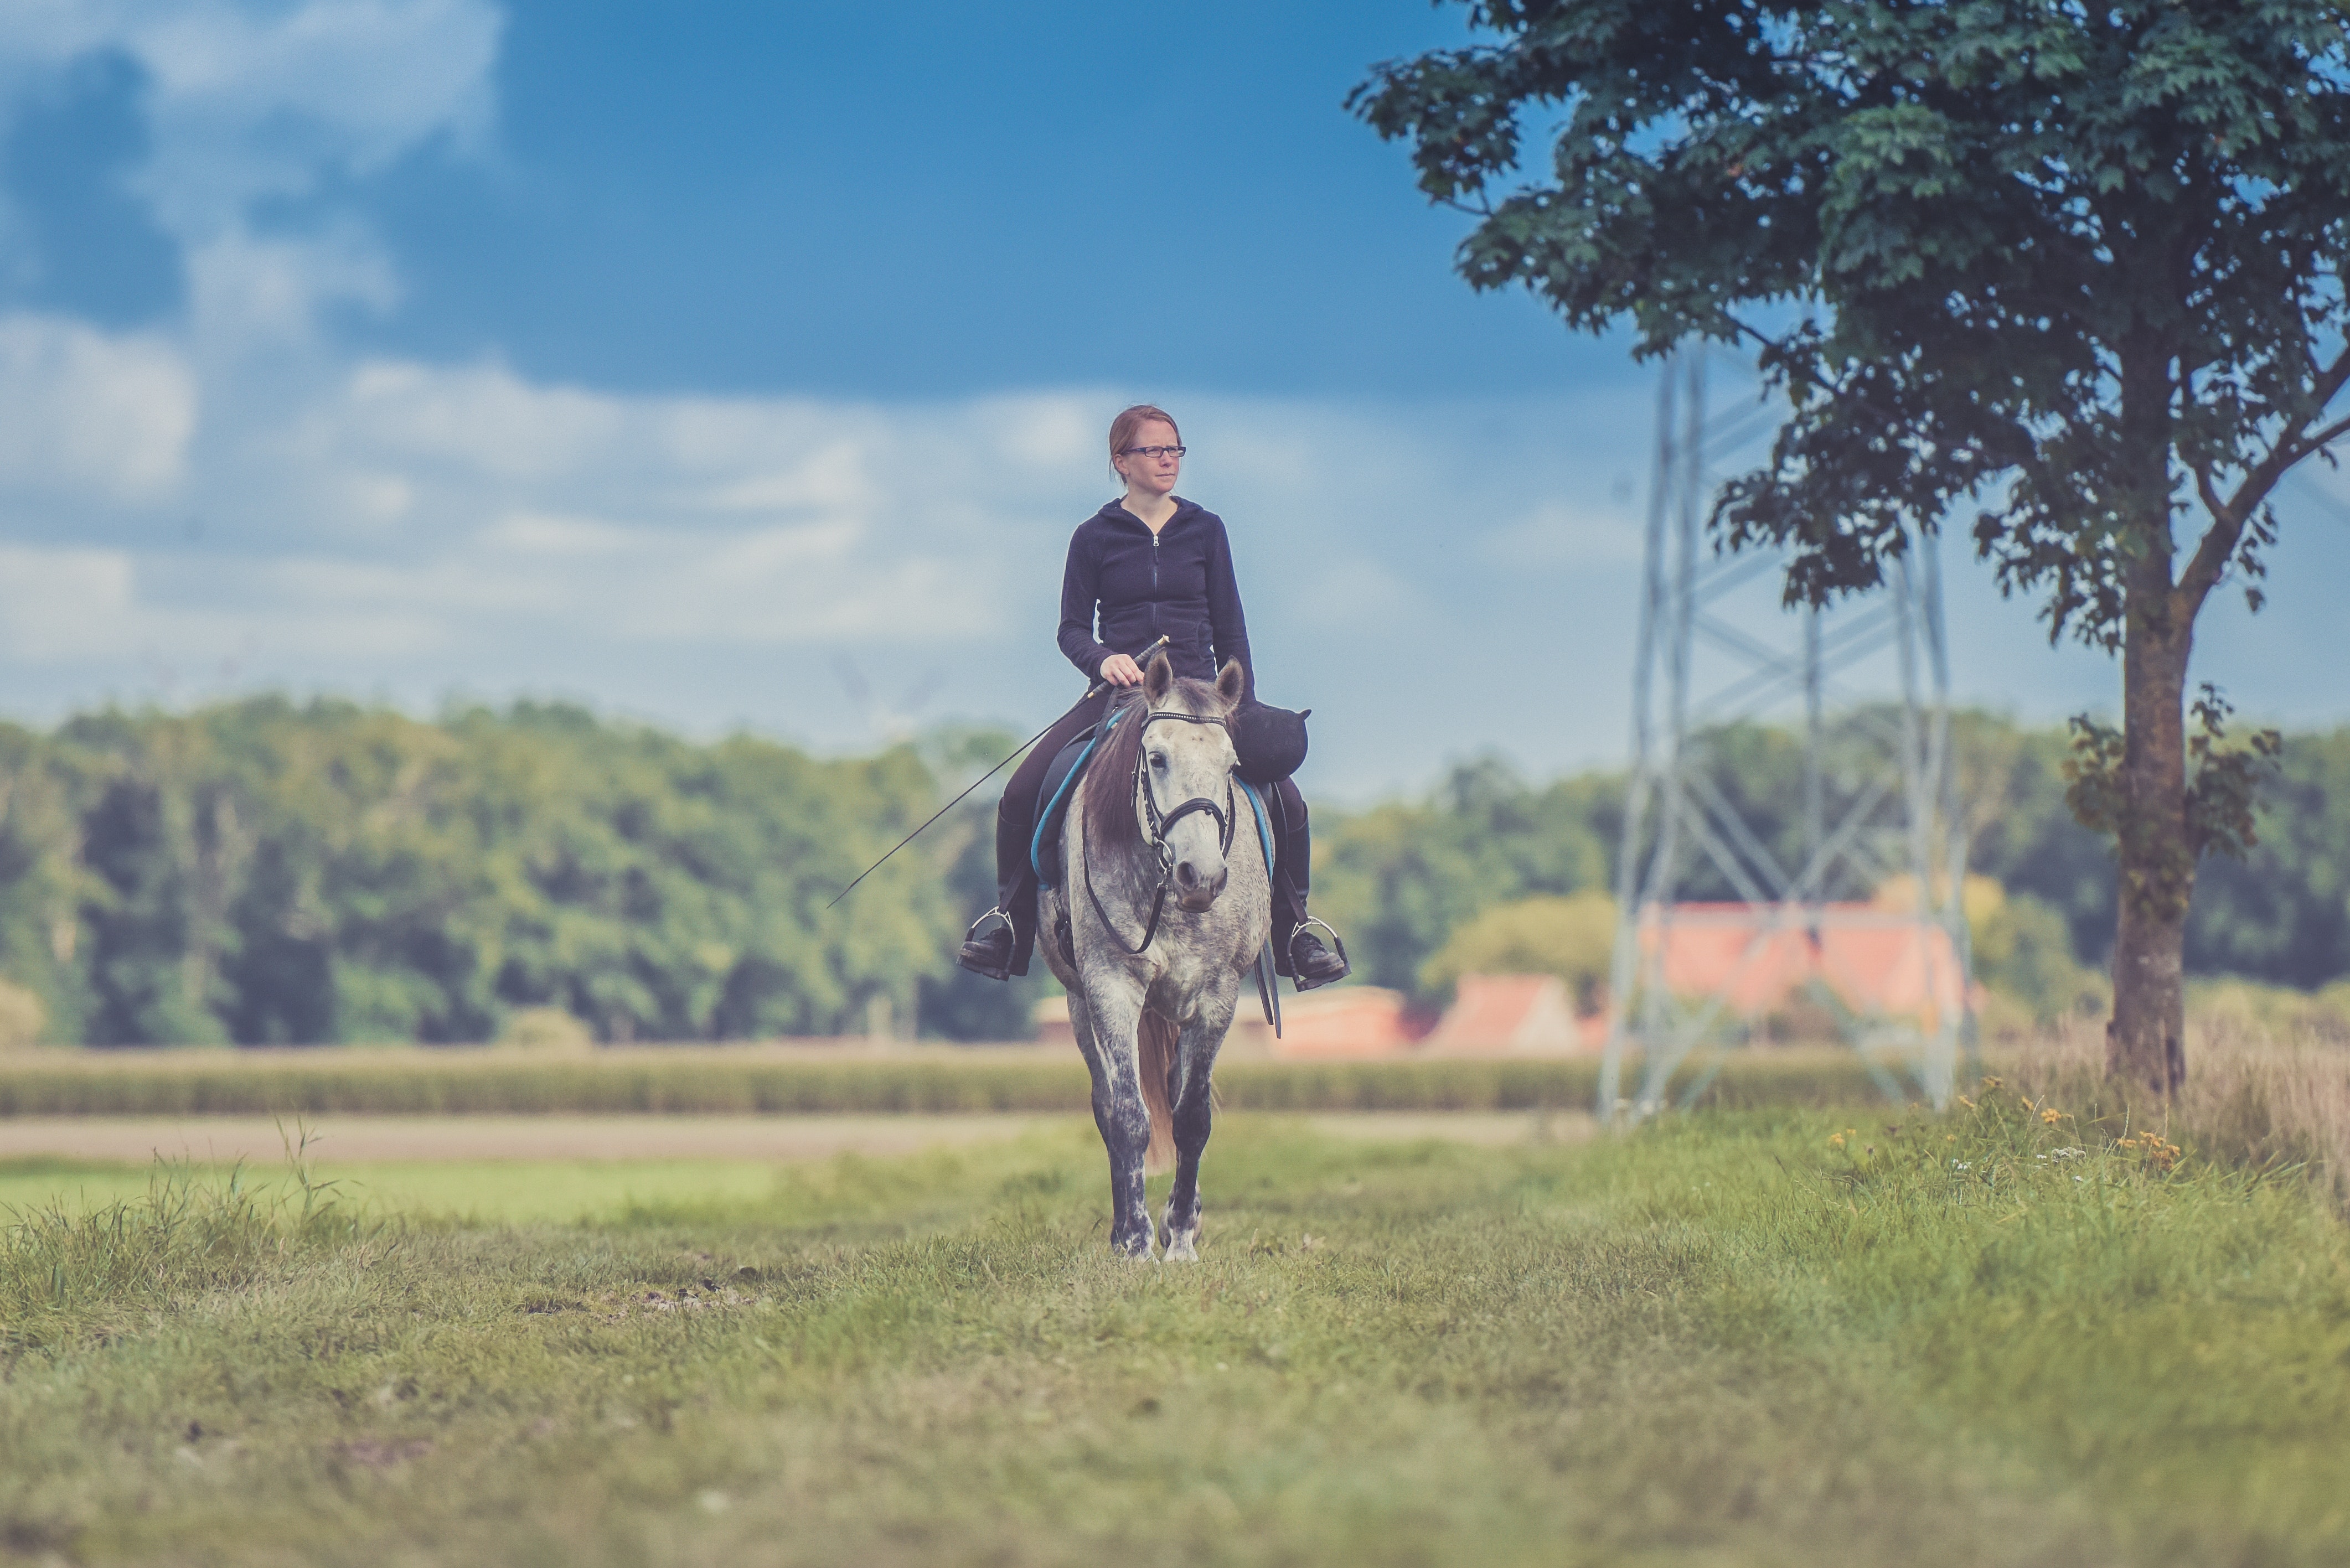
{"x": 2078, "y": 266}
{"x": 1572, "y": 937}
{"x": 1398, "y": 879}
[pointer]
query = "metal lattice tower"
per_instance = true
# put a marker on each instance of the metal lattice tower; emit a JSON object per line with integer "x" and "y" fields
{"x": 1879, "y": 787}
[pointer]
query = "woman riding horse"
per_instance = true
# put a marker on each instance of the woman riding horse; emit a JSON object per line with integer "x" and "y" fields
{"x": 1147, "y": 566}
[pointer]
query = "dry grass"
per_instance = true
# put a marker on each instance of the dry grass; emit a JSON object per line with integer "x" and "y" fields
{"x": 2254, "y": 1096}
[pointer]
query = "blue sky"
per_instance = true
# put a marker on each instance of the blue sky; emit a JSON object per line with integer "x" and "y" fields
{"x": 746, "y": 365}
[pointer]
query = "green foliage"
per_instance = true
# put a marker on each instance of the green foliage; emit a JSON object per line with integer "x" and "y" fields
{"x": 1572, "y": 937}
{"x": 268, "y": 873}
{"x": 954, "y": 1004}
{"x": 2023, "y": 950}
{"x": 2059, "y": 261}
{"x": 1398, "y": 879}
{"x": 545, "y": 1029}
{"x": 2281, "y": 914}
{"x": 273, "y": 874}
{"x": 2223, "y": 786}
{"x": 1725, "y": 1340}
{"x": 22, "y": 1017}
{"x": 2093, "y": 774}
{"x": 2224, "y": 781}
{"x": 1407, "y": 876}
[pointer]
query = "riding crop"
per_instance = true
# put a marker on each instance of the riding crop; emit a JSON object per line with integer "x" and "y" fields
{"x": 1092, "y": 691}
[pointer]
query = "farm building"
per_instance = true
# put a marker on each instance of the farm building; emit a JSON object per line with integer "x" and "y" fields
{"x": 1873, "y": 959}
{"x": 1512, "y": 1012}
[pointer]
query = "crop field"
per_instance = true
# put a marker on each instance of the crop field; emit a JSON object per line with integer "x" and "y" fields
{"x": 804, "y": 1080}
{"x": 1758, "y": 1337}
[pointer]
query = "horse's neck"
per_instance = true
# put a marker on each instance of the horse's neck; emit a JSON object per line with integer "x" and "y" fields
{"x": 1136, "y": 861}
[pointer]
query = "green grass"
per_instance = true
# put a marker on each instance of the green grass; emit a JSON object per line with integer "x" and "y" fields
{"x": 1731, "y": 1339}
{"x": 480, "y": 1192}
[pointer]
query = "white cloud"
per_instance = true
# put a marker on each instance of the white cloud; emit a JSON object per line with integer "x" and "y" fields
{"x": 81, "y": 412}
{"x": 263, "y": 97}
{"x": 60, "y": 604}
{"x": 247, "y": 99}
{"x": 1356, "y": 595}
{"x": 481, "y": 419}
{"x": 543, "y": 536}
{"x": 1556, "y": 534}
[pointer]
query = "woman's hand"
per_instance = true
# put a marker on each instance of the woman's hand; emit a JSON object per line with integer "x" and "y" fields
{"x": 1120, "y": 669}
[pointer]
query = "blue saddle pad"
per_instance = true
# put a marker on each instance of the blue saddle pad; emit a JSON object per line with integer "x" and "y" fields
{"x": 1060, "y": 787}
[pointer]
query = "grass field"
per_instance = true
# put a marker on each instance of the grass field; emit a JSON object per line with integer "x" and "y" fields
{"x": 1747, "y": 1337}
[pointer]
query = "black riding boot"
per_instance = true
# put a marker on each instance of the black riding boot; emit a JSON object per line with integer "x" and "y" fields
{"x": 1296, "y": 951}
{"x": 989, "y": 947}
{"x": 1000, "y": 941}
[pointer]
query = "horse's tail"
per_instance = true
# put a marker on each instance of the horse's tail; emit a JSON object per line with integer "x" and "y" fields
{"x": 1156, "y": 1056}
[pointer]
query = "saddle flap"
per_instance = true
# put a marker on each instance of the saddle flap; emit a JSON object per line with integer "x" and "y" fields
{"x": 1058, "y": 788}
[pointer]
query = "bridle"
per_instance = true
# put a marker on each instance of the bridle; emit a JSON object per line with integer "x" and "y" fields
{"x": 1159, "y": 823}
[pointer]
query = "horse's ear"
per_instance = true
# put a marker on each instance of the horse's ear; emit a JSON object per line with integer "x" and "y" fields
{"x": 1231, "y": 683}
{"x": 1158, "y": 681}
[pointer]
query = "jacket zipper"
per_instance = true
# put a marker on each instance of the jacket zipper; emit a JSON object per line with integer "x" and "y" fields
{"x": 1154, "y": 583}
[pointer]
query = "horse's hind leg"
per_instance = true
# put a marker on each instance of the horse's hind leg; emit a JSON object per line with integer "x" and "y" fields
{"x": 1114, "y": 1022}
{"x": 1194, "y": 1115}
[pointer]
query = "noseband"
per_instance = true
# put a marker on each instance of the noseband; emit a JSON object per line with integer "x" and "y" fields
{"x": 1159, "y": 824}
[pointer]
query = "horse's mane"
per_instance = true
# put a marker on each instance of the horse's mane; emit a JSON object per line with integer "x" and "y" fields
{"x": 1108, "y": 793}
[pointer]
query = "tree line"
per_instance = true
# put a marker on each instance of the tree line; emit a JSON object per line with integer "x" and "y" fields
{"x": 264, "y": 872}
{"x": 1401, "y": 878}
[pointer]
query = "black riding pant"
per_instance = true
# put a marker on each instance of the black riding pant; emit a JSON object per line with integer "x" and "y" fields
{"x": 1015, "y": 826}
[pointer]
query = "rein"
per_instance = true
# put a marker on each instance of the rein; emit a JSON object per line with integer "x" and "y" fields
{"x": 1159, "y": 824}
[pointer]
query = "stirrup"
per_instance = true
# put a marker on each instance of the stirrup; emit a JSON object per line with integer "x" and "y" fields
{"x": 1346, "y": 966}
{"x": 971, "y": 949}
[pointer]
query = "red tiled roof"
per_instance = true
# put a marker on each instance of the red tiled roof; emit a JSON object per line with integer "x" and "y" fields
{"x": 1509, "y": 1012}
{"x": 1874, "y": 960}
{"x": 1354, "y": 1020}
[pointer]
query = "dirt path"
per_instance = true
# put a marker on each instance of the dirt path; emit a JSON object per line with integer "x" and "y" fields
{"x": 366, "y": 1139}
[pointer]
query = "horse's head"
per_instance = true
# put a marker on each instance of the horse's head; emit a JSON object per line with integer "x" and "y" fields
{"x": 1175, "y": 746}
{"x": 1187, "y": 757}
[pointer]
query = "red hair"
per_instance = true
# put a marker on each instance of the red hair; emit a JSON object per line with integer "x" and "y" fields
{"x": 1123, "y": 429}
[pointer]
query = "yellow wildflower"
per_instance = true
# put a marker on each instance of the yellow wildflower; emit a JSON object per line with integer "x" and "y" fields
{"x": 2050, "y": 1116}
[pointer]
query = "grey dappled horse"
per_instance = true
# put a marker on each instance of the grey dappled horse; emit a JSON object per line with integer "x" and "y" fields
{"x": 1161, "y": 854}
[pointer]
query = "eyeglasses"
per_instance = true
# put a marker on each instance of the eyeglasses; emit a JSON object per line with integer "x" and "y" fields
{"x": 1153, "y": 452}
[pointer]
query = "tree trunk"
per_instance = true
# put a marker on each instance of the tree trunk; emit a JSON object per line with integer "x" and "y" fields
{"x": 2146, "y": 1040}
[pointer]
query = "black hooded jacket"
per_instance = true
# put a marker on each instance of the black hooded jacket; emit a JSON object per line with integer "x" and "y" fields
{"x": 1179, "y": 584}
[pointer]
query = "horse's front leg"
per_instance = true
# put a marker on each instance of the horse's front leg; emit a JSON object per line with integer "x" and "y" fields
{"x": 1113, "y": 1017}
{"x": 1202, "y": 1038}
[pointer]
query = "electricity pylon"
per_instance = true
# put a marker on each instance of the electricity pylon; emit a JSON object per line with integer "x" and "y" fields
{"x": 1878, "y": 798}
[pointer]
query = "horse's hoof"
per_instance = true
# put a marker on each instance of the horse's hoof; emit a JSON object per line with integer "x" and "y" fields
{"x": 1181, "y": 1247}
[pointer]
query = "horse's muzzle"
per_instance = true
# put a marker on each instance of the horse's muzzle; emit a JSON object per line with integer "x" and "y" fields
{"x": 1193, "y": 892}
